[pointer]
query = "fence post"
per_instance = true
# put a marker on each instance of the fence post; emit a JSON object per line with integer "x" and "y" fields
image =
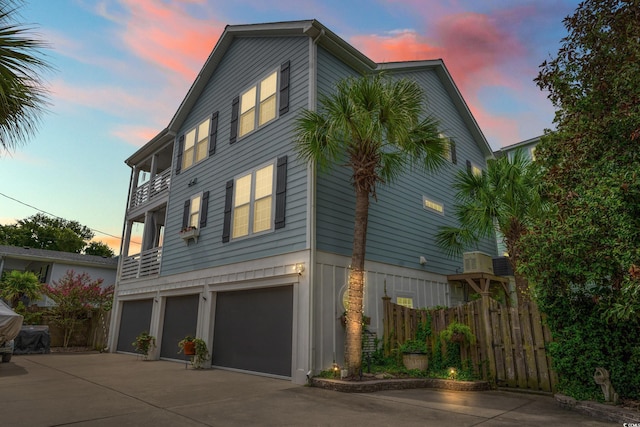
{"x": 386, "y": 325}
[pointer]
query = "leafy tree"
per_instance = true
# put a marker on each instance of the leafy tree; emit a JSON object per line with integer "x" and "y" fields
{"x": 377, "y": 127}
{"x": 75, "y": 296}
{"x": 99, "y": 249}
{"x": 16, "y": 285}
{"x": 44, "y": 232}
{"x": 22, "y": 94}
{"x": 584, "y": 259}
{"x": 507, "y": 197}
{"x": 593, "y": 159}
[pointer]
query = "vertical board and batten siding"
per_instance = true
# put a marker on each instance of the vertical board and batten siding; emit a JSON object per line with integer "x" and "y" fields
{"x": 427, "y": 291}
{"x": 400, "y": 229}
{"x": 246, "y": 62}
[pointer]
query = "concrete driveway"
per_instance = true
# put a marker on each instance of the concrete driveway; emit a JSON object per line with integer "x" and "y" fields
{"x": 92, "y": 389}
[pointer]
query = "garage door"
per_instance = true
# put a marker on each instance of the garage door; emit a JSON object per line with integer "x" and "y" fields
{"x": 180, "y": 319}
{"x": 253, "y": 330}
{"x": 136, "y": 318}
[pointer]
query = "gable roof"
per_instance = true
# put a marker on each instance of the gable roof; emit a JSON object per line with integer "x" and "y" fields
{"x": 329, "y": 41}
{"x": 449, "y": 85}
{"x": 57, "y": 256}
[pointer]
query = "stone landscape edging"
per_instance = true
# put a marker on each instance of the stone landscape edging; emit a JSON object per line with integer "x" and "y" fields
{"x": 369, "y": 386}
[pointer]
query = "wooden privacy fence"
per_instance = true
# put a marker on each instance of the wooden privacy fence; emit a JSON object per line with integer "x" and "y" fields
{"x": 510, "y": 341}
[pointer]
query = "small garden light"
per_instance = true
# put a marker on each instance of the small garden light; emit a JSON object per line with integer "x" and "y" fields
{"x": 453, "y": 373}
{"x": 336, "y": 369}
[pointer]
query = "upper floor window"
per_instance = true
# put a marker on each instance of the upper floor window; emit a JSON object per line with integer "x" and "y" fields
{"x": 196, "y": 144}
{"x": 449, "y": 149}
{"x": 261, "y": 103}
{"x": 473, "y": 168}
{"x": 194, "y": 211}
{"x": 258, "y": 104}
{"x": 253, "y": 202}
{"x": 194, "y": 214}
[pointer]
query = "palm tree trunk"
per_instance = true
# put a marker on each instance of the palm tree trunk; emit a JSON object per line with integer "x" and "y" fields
{"x": 353, "y": 342}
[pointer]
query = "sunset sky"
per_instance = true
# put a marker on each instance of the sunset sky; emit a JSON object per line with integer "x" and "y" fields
{"x": 122, "y": 67}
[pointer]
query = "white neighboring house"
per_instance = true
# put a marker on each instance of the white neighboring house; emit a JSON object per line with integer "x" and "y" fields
{"x": 50, "y": 266}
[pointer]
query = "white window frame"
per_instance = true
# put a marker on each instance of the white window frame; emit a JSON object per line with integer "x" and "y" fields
{"x": 198, "y": 143}
{"x": 432, "y": 205}
{"x": 257, "y": 106}
{"x": 194, "y": 214}
{"x": 252, "y": 202}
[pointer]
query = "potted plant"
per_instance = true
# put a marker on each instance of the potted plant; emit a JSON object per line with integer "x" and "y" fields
{"x": 458, "y": 332}
{"x": 414, "y": 351}
{"x": 187, "y": 346}
{"x": 144, "y": 343}
{"x": 200, "y": 351}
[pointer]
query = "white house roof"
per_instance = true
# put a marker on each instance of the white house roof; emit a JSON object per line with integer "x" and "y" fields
{"x": 45, "y": 255}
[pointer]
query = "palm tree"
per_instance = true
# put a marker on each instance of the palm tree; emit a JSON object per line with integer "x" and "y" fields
{"x": 504, "y": 198}
{"x": 18, "y": 284}
{"x": 22, "y": 94}
{"x": 375, "y": 126}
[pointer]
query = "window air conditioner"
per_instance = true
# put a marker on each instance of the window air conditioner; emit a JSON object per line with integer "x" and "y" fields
{"x": 477, "y": 262}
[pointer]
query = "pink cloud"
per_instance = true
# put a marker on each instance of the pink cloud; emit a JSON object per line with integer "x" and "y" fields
{"x": 477, "y": 53}
{"x": 166, "y": 35}
{"x": 135, "y": 135}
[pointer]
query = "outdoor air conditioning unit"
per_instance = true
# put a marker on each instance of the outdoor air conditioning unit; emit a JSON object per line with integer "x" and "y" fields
{"x": 477, "y": 262}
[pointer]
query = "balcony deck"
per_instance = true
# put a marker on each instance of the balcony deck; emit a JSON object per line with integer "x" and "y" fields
{"x": 154, "y": 188}
{"x": 140, "y": 265}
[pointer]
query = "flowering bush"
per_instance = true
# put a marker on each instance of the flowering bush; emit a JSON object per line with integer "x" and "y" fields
{"x": 76, "y": 295}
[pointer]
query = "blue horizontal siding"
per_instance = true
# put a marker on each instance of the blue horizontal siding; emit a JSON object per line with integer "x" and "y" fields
{"x": 245, "y": 62}
{"x": 400, "y": 230}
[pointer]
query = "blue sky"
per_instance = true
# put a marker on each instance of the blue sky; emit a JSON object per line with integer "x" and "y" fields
{"x": 122, "y": 68}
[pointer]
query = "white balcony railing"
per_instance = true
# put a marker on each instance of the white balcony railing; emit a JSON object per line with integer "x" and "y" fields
{"x": 144, "y": 264}
{"x": 147, "y": 191}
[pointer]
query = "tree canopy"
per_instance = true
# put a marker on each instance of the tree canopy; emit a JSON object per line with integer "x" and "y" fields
{"x": 585, "y": 258}
{"x": 507, "y": 197}
{"x": 56, "y": 234}
{"x": 23, "y": 96}
{"x": 16, "y": 285}
{"x": 593, "y": 158}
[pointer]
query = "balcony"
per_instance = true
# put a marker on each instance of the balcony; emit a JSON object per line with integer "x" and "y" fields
{"x": 151, "y": 189}
{"x": 144, "y": 264}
